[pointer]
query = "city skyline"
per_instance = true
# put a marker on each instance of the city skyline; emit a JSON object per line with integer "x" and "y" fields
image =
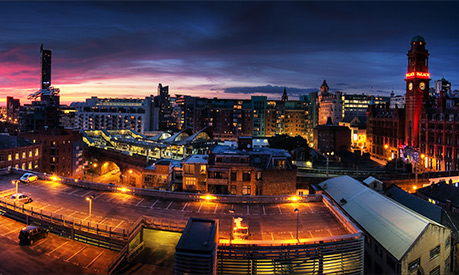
{"x": 224, "y": 49}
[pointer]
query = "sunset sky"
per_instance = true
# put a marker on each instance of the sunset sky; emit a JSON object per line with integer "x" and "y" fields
{"x": 221, "y": 49}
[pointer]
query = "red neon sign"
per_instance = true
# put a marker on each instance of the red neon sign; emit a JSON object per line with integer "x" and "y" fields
{"x": 417, "y": 75}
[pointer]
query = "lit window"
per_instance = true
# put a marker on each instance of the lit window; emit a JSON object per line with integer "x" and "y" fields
{"x": 30, "y": 153}
{"x": 190, "y": 181}
{"x": 16, "y": 156}
{"x": 36, "y": 152}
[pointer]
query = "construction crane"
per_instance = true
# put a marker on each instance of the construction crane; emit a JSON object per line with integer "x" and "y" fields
{"x": 50, "y": 91}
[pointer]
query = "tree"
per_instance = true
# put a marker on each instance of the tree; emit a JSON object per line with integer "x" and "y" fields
{"x": 297, "y": 146}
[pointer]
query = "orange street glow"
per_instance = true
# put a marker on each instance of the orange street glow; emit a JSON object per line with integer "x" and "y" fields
{"x": 208, "y": 197}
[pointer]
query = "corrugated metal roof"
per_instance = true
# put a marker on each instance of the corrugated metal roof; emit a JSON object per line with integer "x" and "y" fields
{"x": 393, "y": 225}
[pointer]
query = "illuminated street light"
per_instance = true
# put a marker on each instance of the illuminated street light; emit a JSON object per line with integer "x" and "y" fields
{"x": 16, "y": 182}
{"x": 94, "y": 165}
{"x": 232, "y": 225}
{"x": 297, "y": 222}
{"x": 90, "y": 198}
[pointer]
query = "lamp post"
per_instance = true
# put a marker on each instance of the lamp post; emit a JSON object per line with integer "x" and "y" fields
{"x": 90, "y": 198}
{"x": 16, "y": 182}
{"x": 232, "y": 225}
{"x": 297, "y": 222}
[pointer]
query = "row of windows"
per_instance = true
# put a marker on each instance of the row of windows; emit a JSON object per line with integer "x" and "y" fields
{"x": 26, "y": 165}
{"x": 17, "y": 155}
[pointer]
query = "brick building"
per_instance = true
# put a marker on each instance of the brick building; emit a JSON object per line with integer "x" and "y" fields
{"x": 16, "y": 152}
{"x": 62, "y": 151}
{"x": 262, "y": 171}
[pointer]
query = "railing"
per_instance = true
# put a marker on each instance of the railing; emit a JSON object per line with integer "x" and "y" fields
{"x": 27, "y": 212}
{"x": 170, "y": 195}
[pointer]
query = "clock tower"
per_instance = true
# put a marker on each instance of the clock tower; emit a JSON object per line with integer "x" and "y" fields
{"x": 417, "y": 89}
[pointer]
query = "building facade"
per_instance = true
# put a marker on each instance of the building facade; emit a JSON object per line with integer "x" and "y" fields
{"x": 117, "y": 113}
{"x": 62, "y": 151}
{"x": 19, "y": 153}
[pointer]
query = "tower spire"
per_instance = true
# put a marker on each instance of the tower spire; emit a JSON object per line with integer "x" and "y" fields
{"x": 284, "y": 95}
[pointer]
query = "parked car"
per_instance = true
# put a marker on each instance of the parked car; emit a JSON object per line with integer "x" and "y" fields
{"x": 28, "y": 177}
{"x": 31, "y": 234}
{"x": 21, "y": 198}
{"x": 114, "y": 171}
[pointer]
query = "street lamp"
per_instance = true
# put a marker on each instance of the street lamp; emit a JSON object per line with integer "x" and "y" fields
{"x": 232, "y": 225}
{"x": 90, "y": 198}
{"x": 16, "y": 182}
{"x": 297, "y": 222}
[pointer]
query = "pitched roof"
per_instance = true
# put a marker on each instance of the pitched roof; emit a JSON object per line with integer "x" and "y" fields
{"x": 391, "y": 224}
{"x": 415, "y": 203}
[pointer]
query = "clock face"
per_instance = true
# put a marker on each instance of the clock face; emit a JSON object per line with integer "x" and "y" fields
{"x": 422, "y": 86}
{"x": 410, "y": 86}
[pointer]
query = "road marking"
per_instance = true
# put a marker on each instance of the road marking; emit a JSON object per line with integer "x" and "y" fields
{"x": 151, "y": 207}
{"x": 55, "y": 211}
{"x": 113, "y": 196}
{"x": 312, "y": 211}
{"x": 74, "y": 212}
{"x": 168, "y": 206}
{"x": 280, "y": 211}
{"x": 95, "y": 259}
{"x": 49, "y": 253}
{"x": 272, "y": 236}
{"x": 44, "y": 207}
{"x": 87, "y": 193}
{"x": 248, "y": 212}
{"x": 67, "y": 260}
{"x": 183, "y": 209}
{"x": 264, "y": 211}
{"x": 140, "y": 202}
{"x": 291, "y": 234}
{"x": 216, "y": 206}
{"x": 74, "y": 191}
{"x": 310, "y": 234}
{"x": 117, "y": 226}
{"x": 14, "y": 230}
{"x": 329, "y": 232}
{"x": 200, "y": 208}
{"x": 102, "y": 221}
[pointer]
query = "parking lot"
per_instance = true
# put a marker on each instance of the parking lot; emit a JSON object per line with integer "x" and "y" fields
{"x": 53, "y": 254}
{"x": 119, "y": 211}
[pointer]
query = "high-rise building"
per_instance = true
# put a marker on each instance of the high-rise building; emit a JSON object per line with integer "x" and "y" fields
{"x": 43, "y": 113}
{"x": 117, "y": 113}
{"x": 162, "y": 99}
{"x": 45, "y": 68}
{"x": 12, "y": 109}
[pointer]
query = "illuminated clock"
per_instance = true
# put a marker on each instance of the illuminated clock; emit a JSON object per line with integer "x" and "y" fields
{"x": 410, "y": 86}
{"x": 422, "y": 86}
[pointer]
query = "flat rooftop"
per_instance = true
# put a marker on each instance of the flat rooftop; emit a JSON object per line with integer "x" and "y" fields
{"x": 316, "y": 222}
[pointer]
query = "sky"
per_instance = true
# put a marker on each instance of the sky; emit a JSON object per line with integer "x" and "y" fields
{"x": 221, "y": 49}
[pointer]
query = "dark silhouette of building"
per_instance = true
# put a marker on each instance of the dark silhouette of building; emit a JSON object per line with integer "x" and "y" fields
{"x": 45, "y": 68}
{"x": 12, "y": 109}
{"x": 44, "y": 113}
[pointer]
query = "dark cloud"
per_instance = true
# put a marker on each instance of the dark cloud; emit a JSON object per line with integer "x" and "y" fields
{"x": 269, "y": 90}
{"x": 358, "y": 46}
